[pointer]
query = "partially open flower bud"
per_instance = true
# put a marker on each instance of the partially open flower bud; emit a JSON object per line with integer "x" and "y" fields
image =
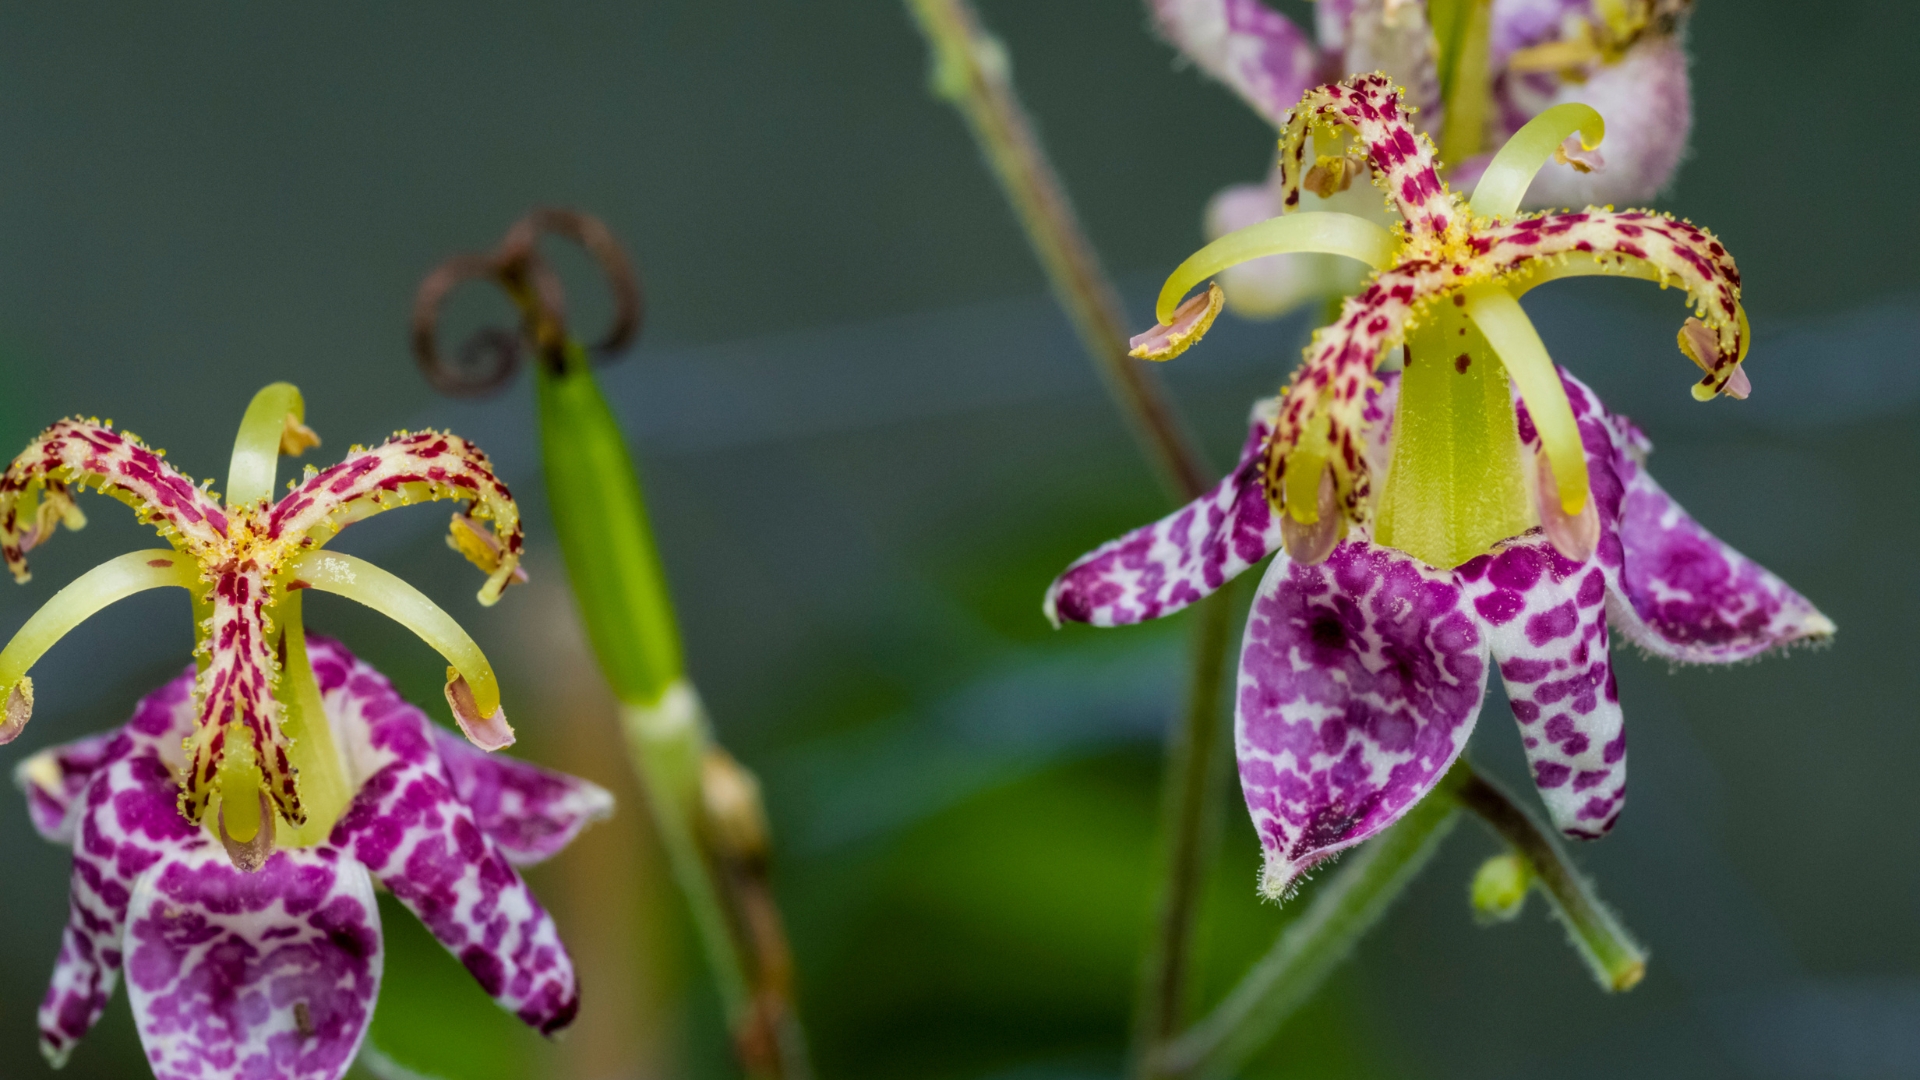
{"x": 1500, "y": 888}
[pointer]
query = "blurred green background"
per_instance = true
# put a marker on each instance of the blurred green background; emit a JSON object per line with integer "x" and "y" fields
{"x": 870, "y": 441}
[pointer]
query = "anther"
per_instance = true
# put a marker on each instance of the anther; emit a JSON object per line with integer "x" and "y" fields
{"x": 1310, "y": 542}
{"x": 486, "y": 732}
{"x": 1574, "y": 535}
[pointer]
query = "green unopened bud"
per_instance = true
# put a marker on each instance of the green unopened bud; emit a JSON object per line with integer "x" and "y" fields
{"x": 1500, "y": 888}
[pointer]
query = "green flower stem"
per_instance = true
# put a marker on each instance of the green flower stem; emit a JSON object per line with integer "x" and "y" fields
{"x": 970, "y": 70}
{"x": 1359, "y": 892}
{"x": 606, "y": 540}
{"x": 1615, "y": 959}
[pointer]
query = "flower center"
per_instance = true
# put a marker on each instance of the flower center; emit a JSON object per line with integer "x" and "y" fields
{"x": 1456, "y": 486}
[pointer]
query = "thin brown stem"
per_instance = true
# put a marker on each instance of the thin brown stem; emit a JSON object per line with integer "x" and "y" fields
{"x": 971, "y": 71}
{"x": 1190, "y": 819}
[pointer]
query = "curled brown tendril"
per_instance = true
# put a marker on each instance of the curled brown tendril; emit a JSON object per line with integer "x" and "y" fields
{"x": 490, "y": 356}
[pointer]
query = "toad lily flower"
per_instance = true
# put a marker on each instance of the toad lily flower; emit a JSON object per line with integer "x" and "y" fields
{"x": 1508, "y": 64}
{"x": 245, "y": 563}
{"x": 1516, "y": 519}
{"x": 269, "y": 966}
{"x": 274, "y": 973}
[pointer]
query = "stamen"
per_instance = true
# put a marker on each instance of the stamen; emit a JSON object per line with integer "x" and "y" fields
{"x": 1514, "y": 340}
{"x": 1513, "y": 168}
{"x": 1322, "y": 231}
{"x": 256, "y": 823}
{"x": 56, "y": 508}
{"x": 1164, "y": 341}
{"x": 1574, "y": 535}
{"x": 1332, "y": 175}
{"x": 1304, "y": 466}
{"x": 488, "y": 731}
{"x": 297, "y": 438}
{"x": 359, "y": 580}
{"x": 115, "y": 579}
{"x": 19, "y": 710}
{"x": 325, "y": 790}
{"x": 1309, "y": 543}
{"x": 1702, "y": 346}
{"x": 272, "y": 426}
{"x": 482, "y": 547}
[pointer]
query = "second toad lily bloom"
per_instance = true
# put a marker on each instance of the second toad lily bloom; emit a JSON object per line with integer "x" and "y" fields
{"x": 259, "y": 747}
{"x": 1513, "y": 520}
{"x": 1510, "y": 60}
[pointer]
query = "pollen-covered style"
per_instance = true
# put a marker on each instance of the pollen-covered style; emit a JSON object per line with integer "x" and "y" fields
{"x": 244, "y": 561}
{"x": 1478, "y": 508}
{"x": 243, "y": 959}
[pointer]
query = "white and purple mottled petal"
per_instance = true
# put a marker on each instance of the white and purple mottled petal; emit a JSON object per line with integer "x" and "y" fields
{"x": 1360, "y": 680}
{"x": 418, "y": 839}
{"x": 268, "y": 974}
{"x": 1675, "y": 589}
{"x": 531, "y": 813}
{"x": 1545, "y": 618}
{"x": 1686, "y": 595}
{"x": 126, "y": 821}
{"x": 1256, "y": 51}
{"x": 1182, "y": 558}
{"x": 54, "y": 780}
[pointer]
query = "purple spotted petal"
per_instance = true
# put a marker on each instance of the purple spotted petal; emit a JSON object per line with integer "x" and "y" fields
{"x": 419, "y": 840}
{"x": 1159, "y": 569}
{"x": 1688, "y": 596}
{"x": 1546, "y": 624}
{"x": 1360, "y": 679}
{"x": 126, "y": 822}
{"x": 529, "y": 812}
{"x": 54, "y": 779}
{"x": 270, "y": 974}
{"x": 1256, "y": 51}
{"x": 1676, "y": 590}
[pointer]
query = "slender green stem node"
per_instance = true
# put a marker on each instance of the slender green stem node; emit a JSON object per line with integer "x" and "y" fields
{"x": 1616, "y": 960}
